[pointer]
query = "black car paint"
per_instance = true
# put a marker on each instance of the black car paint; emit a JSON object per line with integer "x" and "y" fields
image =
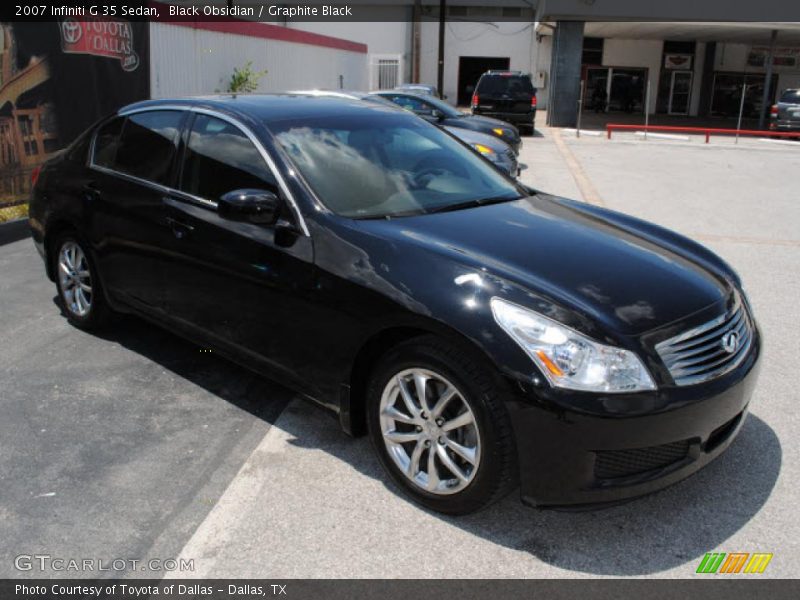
{"x": 455, "y": 118}
{"x": 312, "y": 311}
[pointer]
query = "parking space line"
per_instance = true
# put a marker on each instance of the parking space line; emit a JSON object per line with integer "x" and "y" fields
{"x": 212, "y": 535}
{"x": 710, "y": 237}
{"x": 585, "y": 186}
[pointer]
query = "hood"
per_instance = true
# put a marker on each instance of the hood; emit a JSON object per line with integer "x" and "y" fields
{"x": 630, "y": 281}
{"x": 482, "y": 123}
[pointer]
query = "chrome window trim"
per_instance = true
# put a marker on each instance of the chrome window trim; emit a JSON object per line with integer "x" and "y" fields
{"x": 284, "y": 187}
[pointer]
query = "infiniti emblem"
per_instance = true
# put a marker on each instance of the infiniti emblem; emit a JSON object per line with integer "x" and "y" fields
{"x": 729, "y": 342}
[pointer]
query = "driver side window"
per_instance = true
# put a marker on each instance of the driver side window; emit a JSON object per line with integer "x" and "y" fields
{"x": 220, "y": 158}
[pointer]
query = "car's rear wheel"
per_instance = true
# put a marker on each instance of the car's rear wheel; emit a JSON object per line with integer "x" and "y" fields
{"x": 78, "y": 283}
{"x": 440, "y": 427}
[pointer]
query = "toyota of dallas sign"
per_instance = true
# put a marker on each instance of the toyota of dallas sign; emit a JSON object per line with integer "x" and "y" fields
{"x": 100, "y": 37}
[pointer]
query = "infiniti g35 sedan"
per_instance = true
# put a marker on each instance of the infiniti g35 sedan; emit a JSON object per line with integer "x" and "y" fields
{"x": 487, "y": 336}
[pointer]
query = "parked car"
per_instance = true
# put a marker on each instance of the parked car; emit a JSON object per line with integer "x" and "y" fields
{"x": 483, "y": 333}
{"x": 785, "y": 115}
{"x": 418, "y": 88}
{"x": 440, "y": 112}
{"x": 506, "y": 95}
{"x": 493, "y": 149}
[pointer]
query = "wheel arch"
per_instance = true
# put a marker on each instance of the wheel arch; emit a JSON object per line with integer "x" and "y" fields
{"x": 352, "y": 414}
{"x": 54, "y": 229}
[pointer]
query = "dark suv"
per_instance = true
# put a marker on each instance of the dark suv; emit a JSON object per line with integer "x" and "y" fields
{"x": 506, "y": 95}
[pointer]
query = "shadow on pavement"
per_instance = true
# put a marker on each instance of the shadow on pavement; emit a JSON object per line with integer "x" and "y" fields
{"x": 13, "y": 231}
{"x": 669, "y": 529}
{"x": 236, "y": 385}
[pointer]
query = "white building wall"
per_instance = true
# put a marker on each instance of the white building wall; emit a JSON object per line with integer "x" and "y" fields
{"x": 636, "y": 53}
{"x": 513, "y": 40}
{"x": 187, "y": 61}
{"x": 381, "y": 38}
{"x": 391, "y": 39}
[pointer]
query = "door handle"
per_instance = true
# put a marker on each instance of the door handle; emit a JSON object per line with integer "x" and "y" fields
{"x": 179, "y": 230}
{"x": 91, "y": 191}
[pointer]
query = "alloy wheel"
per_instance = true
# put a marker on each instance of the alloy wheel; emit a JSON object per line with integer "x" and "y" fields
{"x": 430, "y": 431}
{"x": 75, "y": 279}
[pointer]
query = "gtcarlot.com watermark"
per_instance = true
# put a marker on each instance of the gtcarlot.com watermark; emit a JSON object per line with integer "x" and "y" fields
{"x": 46, "y": 562}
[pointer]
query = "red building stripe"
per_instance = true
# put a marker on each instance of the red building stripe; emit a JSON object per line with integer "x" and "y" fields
{"x": 265, "y": 31}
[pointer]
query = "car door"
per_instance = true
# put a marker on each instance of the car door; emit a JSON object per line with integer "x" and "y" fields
{"x": 133, "y": 160}
{"x": 244, "y": 287}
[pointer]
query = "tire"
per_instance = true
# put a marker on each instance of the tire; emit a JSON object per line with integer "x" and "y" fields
{"x": 486, "y": 437}
{"x": 80, "y": 293}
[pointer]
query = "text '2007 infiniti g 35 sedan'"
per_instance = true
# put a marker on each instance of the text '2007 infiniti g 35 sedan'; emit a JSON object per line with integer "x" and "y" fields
{"x": 485, "y": 335}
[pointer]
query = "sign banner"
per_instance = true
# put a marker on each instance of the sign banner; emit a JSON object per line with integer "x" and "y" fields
{"x": 56, "y": 79}
{"x": 100, "y": 37}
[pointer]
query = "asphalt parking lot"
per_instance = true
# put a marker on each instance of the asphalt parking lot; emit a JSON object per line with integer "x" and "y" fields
{"x": 137, "y": 445}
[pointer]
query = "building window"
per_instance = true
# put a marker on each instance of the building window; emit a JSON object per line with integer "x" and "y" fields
{"x": 387, "y": 74}
{"x": 25, "y": 125}
{"x": 385, "y": 71}
{"x": 592, "y": 51}
{"x": 31, "y": 148}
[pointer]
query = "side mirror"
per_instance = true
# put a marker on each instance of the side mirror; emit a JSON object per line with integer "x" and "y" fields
{"x": 250, "y": 205}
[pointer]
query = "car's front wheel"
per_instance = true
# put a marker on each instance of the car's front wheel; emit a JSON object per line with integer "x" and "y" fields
{"x": 78, "y": 283}
{"x": 439, "y": 426}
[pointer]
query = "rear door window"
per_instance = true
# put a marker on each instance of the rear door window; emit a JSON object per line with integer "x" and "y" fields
{"x": 220, "y": 158}
{"x": 148, "y": 144}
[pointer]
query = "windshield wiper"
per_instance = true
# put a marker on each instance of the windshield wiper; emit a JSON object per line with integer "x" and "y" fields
{"x": 472, "y": 203}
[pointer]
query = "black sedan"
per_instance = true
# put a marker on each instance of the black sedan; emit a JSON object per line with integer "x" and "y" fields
{"x": 483, "y": 333}
{"x": 441, "y": 113}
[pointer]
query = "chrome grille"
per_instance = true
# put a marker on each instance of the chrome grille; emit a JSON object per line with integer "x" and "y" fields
{"x": 700, "y": 354}
{"x": 513, "y": 159}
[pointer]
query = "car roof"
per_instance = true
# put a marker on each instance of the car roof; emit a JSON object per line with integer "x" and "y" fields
{"x": 267, "y": 108}
{"x": 352, "y": 94}
{"x": 505, "y": 73}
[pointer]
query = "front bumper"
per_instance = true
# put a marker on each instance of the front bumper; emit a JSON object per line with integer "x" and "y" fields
{"x": 785, "y": 125}
{"x": 569, "y": 457}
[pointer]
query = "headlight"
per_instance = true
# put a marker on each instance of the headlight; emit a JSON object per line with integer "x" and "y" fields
{"x": 499, "y": 131}
{"x": 485, "y": 150}
{"x": 570, "y": 359}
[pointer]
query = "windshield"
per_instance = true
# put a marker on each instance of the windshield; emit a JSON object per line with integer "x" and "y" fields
{"x": 791, "y": 97}
{"x": 505, "y": 84}
{"x": 384, "y": 165}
